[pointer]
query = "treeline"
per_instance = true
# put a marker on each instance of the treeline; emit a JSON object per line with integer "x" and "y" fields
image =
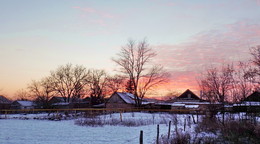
{"x": 137, "y": 75}
{"x": 231, "y": 82}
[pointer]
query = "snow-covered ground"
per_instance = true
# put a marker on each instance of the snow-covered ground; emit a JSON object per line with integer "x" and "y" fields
{"x": 30, "y": 131}
{"x": 37, "y": 129}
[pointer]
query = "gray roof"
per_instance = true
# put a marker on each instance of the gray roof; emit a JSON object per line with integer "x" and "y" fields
{"x": 127, "y": 97}
{"x": 4, "y": 100}
{"x": 26, "y": 103}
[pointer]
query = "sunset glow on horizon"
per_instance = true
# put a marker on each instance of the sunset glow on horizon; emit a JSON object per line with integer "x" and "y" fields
{"x": 38, "y": 36}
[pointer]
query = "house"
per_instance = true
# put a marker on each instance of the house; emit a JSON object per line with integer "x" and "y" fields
{"x": 5, "y": 103}
{"x": 60, "y": 103}
{"x": 250, "y": 103}
{"x": 188, "y": 96}
{"x": 22, "y": 105}
{"x": 254, "y": 97}
{"x": 56, "y": 99}
{"x": 189, "y": 100}
{"x": 121, "y": 100}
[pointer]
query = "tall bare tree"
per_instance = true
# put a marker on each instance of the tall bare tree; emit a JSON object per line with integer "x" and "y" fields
{"x": 217, "y": 83}
{"x": 254, "y": 73}
{"x": 135, "y": 62}
{"x": 42, "y": 91}
{"x": 97, "y": 84}
{"x": 22, "y": 94}
{"x": 68, "y": 81}
{"x": 115, "y": 83}
{"x": 242, "y": 85}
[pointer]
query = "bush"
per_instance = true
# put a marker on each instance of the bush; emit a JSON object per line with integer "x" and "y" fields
{"x": 212, "y": 131}
{"x": 208, "y": 125}
{"x": 180, "y": 138}
{"x": 94, "y": 122}
{"x": 240, "y": 132}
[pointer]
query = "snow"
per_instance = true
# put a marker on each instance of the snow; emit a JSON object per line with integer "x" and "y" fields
{"x": 16, "y": 131}
{"x": 66, "y": 132}
{"x": 36, "y": 129}
{"x": 248, "y": 103}
{"x": 191, "y": 106}
{"x": 197, "y": 103}
{"x": 177, "y": 104}
{"x": 60, "y": 103}
{"x": 26, "y": 103}
{"x": 127, "y": 97}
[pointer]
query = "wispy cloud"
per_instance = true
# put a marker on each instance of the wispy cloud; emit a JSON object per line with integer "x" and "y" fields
{"x": 95, "y": 16}
{"x": 89, "y": 10}
{"x": 186, "y": 60}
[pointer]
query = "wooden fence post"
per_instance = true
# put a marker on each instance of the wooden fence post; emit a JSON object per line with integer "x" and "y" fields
{"x": 158, "y": 131}
{"x": 184, "y": 127}
{"x": 169, "y": 130}
{"x": 141, "y": 137}
{"x": 121, "y": 118}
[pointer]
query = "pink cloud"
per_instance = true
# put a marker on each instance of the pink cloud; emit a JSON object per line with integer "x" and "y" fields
{"x": 95, "y": 16}
{"x": 88, "y": 10}
{"x": 76, "y": 7}
{"x": 186, "y": 60}
{"x": 171, "y": 4}
{"x": 99, "y": 22}
{"x": 257, "y": 2}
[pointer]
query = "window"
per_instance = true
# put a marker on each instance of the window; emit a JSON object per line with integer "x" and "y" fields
{"x": 189, "y": 96}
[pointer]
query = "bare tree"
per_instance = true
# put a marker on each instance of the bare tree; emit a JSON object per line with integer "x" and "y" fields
{"x": 129, "y": 86}
{"x": 115, "y": 83}
{"x": 42, "y": 91}
{"x": 68, "y": 81}
{"x": 254, "y": 73}
{"x": 242, "y": 85}
{"x": 22, "y": 94}
{"x": 97, "y": 84}
{"x": 217, "y": 83}
{"x": 171, "y": 95}
{"x": 255, "y": 52}
{"x": 134, "y": 60}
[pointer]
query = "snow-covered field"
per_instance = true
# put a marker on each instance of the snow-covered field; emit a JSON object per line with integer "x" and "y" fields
{"x": 38, "y": 129}
{"x": 20, "y": 131}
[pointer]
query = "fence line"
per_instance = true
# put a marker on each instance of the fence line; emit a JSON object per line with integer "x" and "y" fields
{"x": 99, "y": 109}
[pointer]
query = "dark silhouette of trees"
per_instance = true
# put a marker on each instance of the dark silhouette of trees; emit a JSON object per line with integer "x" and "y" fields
{"x": 135, "y": 62}
{"x": 216, "y": 83}
{"x": 242, "y": 86}
{"x": 22, "y": 94}
{"x": 129, "y": 86}
{"x": 115, "y": 83}
{"x": 97, "y": 86}
{"x": 42, "y": 91}
{"x": 68, "y": 81}
{"x": 254, "y": 72}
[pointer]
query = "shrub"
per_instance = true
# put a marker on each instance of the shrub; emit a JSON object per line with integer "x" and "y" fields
{"x": 94, "y": 122}
{"x": 240, "y": 132}
{"x": 208, "y": 125}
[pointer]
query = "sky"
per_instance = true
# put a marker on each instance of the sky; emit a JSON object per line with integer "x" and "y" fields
{"x": 38, "y": 36}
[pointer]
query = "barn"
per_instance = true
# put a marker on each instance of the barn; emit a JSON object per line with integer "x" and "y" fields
{"x": 121, "y": 100}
